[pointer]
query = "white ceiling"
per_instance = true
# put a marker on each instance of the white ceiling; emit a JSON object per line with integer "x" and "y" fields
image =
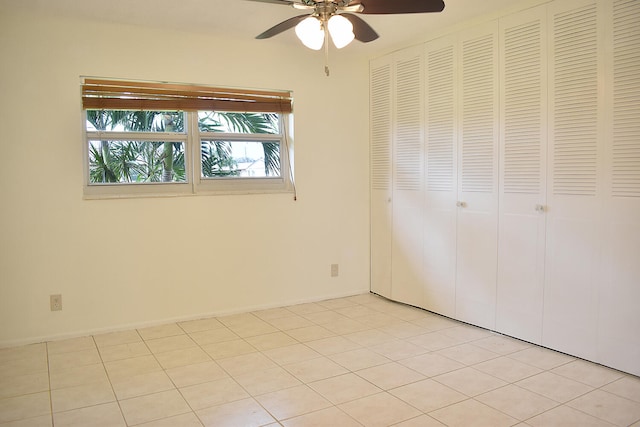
{"x": 244, "y": 19}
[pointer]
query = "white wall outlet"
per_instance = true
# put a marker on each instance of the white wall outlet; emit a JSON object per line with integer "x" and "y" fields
{"x": 334, "y": 270}
{"x": 56, "y": 302}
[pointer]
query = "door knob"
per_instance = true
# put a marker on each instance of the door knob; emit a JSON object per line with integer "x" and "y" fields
{"x": 461, "y": 204}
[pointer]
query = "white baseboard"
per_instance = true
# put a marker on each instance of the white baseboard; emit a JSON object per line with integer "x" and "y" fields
{"x": 139, "y": 325}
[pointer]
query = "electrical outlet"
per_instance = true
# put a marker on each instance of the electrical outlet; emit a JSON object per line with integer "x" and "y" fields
{"x": 334, "y": 270}
{"x": 56, "y": 302}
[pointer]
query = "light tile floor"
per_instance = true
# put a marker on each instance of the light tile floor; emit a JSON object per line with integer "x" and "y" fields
{"x": 353, "y": 361}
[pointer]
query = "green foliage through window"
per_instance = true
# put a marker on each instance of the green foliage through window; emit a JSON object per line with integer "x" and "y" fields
{"x": 127, "y": 159}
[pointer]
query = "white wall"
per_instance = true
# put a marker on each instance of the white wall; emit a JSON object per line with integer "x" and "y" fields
{"x": 120, "y": 263}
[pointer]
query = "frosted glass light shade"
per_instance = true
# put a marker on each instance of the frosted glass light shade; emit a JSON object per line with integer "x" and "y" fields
{"x": 310, "y": 33}
{"x": 341, "y": 30}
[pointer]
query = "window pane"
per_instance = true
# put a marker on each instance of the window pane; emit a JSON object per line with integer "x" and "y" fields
{"x": 214, "y": 121}
{"x": 136, "y": 161}
{"x": 135, "y": 121}
{"x": 244, "y": 159}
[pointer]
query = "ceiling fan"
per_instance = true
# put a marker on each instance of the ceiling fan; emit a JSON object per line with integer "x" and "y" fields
{"x": 337, "y": 18}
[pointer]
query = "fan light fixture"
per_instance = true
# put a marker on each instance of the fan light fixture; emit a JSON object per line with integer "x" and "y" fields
{"x": 339, "y": 19}
{"x": 341, "y": 31}
{"x": 311, "y": 31}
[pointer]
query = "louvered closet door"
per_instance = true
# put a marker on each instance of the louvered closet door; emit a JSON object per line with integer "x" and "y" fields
{"x": 477, "y": 234}
{"x": 523, "y": 140}
{"x": 619, "y": 293}
{"x": 575, "y": 180}
{"x": 441, "y": 176}
{"x": 381, "y": 190}
{"x": 407, "y": 178}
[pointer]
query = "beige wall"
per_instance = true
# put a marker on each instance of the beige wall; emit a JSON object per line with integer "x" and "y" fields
{"x": 120, "y": 263}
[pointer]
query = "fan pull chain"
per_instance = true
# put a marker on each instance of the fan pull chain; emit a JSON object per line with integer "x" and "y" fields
{"x": 326, "y": 50}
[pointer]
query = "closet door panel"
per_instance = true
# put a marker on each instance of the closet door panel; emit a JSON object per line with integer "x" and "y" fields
{"x": 523, "y": 141}
{"x": 477, "y": 234}
{"x": 619, "y": 293}
{"x": 476, "y": 263}
{"x": 408, "y": 178}
{"x": 619, "y": 317}
{"x": 381, "y": 163}
{"x": 441, "y": 176}
{"x": 574, "y": 181}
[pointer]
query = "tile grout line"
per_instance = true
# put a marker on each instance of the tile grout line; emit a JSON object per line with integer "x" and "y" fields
{"x": 168, "y": 376}
{"x": 332, "y": 405}
{"x": 344, "y": 335}
{"x": 299, "y": 379}
{"x": 109, "y": 378}
{"x": 46, "y": 347}
{"x": 244, "y": 339}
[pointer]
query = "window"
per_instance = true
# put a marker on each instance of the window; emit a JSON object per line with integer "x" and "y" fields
{"x": 239, "y": 151}
{"x": 153, "y": 139}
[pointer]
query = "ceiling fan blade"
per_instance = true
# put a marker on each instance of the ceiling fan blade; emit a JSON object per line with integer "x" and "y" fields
{"x": 383, "y": 7}
{"x": 352, "y": 8}
{"x": 361, "y": 29}
{"x": 283, "y": 26}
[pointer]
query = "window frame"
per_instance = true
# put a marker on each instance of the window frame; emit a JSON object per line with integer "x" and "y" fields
{"x": 248, "y": 185}
{"x": 135, "y": 189}
{"x": 191, "y": 137}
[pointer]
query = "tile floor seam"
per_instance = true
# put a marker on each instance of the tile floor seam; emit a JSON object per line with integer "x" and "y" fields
{"x": 530, "y": 391}
{"x": 383, "y": 392}
{"x": 117, "y": 399}
{"x": 601, "y": 388}
{"x": 556, "y": 403}
{"x": 170, "y": 379}
{"x": 452, "y": 359}
{"x": 388, "y": 390}
{"x": 434, "y": 378}
{"x": 583, "y": 382}
{"x": 595, "y": 416}
{"x": 46, "y": 348}
{"x": 279, "y": 421}
{"x": 230, "y": 376}
{"x": 410, "y": 404}
{"x": 306, "y": 345}
{"x": 544, "y": 370}
{"x": 109, "y": 378}
{"x": 95, "y": 405}
{"x": 399, "y": 314}
{"x": 151, "y": 420}
{"x": 560, "y": 406}
{"x": 512, "y": 382}
{"x": 368, "y": 382}
{"x": 448, "y": 405}
{"x": 316, "y": 411}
